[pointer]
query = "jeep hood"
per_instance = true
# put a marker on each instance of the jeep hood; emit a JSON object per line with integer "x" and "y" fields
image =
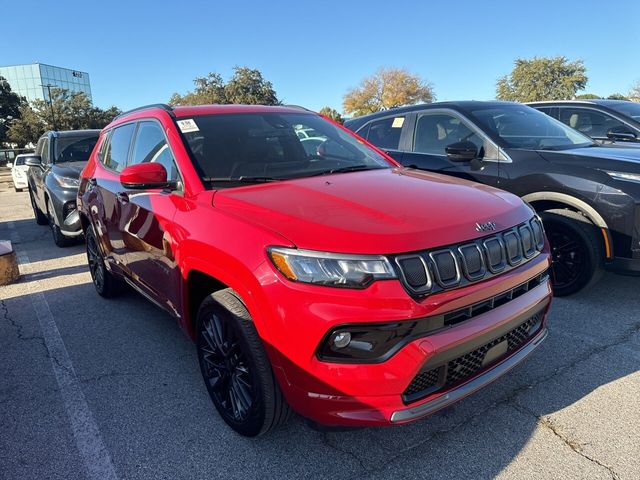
{"x": 378, "y": 211}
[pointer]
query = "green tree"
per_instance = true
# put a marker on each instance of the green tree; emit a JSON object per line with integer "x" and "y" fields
{"x": 27, "y": 128}
{"x": 542, "y": 78}
{"x": 617, "y": 96}
{"x": 246, "y": 86}
{"x": 387, "y": 88}
{"x": 332, "y": 113}
{"x": 10, "y": 103}
{"x": 634, "y": 93}
{"x": 588, "y": 96}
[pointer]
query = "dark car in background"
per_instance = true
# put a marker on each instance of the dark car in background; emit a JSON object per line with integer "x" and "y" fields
{"x": 606, "y": 121}
{"x": 53, "y": 180}
{"x": 588, "y": 195}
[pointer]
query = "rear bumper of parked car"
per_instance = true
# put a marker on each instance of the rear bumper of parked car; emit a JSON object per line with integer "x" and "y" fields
{"x": 367, "y": 394}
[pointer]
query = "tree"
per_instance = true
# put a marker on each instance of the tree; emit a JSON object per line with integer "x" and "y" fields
{"x": 542, "y": 78}
{"x": 10, "y": 103}
{"x": 617, "y": 96}
{"x": 387, "y": 88}
{"x": 332, "y": 114}
{"x": 67, "y": 111}
{"x": 27, "y": 128}
{"x": 588, "y": 96}
{"x": 634, "y": 93}
{"x": 246, "y": 86}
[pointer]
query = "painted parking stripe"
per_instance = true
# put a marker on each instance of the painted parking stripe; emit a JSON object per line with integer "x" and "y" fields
{"x": 92, "y": 449}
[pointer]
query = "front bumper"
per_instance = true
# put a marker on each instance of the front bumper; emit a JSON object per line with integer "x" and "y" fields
{"x": 372, "y": 394}
{"x": 65, "y": 211}
{"x": 20, "y": 182}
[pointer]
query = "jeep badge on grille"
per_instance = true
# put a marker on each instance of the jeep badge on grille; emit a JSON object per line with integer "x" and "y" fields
{"x": 486, "y": 227}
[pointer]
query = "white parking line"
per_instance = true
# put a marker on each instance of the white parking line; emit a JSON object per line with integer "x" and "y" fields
{"x": 92, "y": 449}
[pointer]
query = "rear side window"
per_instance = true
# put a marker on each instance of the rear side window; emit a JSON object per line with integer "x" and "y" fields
{"x": 590, "y": 122}
{"x": 117, "y": 151}
{"x": 385, "y": 133}
{"x": 150, "y": 145}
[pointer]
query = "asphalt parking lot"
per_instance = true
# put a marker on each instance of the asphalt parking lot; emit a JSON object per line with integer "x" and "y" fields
{"x": 95, "y": 388}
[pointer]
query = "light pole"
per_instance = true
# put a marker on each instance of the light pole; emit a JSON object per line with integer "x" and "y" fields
{"x": 53, "y": 117}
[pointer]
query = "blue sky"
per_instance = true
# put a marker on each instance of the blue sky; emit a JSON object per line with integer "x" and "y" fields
{"x": 140, "y": 52}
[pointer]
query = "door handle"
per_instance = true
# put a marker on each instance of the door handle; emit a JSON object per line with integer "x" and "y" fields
{"x": 122, "y": 197}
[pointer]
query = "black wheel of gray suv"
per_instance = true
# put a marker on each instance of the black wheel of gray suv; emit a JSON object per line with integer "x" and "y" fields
{"x": 235, "y": 367}
{"x": 577, "y": 251}
{"x": 41, "y": 218}
{"x": 105, "y": 283}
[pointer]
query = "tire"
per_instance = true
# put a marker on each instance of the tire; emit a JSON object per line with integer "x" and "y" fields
{"x": 235, "y": 367}
{"x": 577, "y": 251}
{"x": 59, "y": 238}
{"x": 106, "y": 284}
{"x": 41, "y": 218}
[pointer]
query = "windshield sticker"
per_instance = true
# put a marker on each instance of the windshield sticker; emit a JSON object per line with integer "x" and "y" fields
{"x": 188, "y": 125}
{"x": 397, "y": 122}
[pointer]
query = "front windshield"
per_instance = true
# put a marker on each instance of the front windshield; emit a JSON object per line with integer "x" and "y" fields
{"x": 231, "y": 149}
{"x": 520, "y": 126}
{"x": 629, "y": 109}
{"x": 74, "y": 149}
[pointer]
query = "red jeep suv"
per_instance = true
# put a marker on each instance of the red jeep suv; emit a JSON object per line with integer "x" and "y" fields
{"x": 313, "y": 272}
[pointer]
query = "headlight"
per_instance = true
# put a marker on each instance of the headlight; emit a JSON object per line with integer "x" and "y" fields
{"x": 66, "y": 182}
{"x": 630, "y": 177}
{"x": 331, "y": 269}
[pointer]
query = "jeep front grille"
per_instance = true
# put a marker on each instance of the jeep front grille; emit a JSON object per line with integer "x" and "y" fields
{"x": 432, "y": 271}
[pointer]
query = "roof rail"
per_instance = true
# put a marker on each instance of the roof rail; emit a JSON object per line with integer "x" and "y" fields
{"x": 162, "y": 106}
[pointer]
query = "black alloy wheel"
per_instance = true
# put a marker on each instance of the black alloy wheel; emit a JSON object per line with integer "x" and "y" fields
{"x": 105, "y": 283}
{"x": 235, "y": 366}
{"x": 576, "y": 251}
{"x": 226, "y": 369}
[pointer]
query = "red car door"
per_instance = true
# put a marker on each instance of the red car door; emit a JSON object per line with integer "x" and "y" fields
{"x": 146, "y": 218}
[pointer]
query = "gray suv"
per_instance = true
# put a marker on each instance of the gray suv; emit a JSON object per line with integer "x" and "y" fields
{"x": 53, "y": 180}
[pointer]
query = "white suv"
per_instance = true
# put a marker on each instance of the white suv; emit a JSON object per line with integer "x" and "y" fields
{"x": 19, "y": 173}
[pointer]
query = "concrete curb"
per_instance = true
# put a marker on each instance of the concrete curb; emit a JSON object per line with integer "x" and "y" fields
{"x": 9, "y": 272}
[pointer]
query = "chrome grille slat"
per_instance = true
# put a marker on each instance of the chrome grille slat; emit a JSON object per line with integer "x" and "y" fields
{"x": 498, "y": 253}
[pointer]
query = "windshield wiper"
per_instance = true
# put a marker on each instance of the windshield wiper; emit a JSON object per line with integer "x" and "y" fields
{"x": 350, "y": 168}
{"x": 242, "y": 179}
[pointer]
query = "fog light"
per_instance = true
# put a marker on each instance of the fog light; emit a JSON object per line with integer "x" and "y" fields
{"x": 341, "y": 339}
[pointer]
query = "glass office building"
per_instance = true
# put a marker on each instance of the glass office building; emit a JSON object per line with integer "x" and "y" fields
{"x": 31, "y": 81}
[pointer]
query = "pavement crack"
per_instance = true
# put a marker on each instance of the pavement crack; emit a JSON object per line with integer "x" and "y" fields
{"x": 324, "y": 438}
{"x": 18, "y": 326}
{"x": 573, "y": 444}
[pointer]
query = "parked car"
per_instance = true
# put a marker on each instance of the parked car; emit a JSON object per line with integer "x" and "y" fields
{"x": 53, "y": 180}
{"x": 19, "y": 173}
{"x": 335, "y": 283}
{"x": 587, "y": 195}
{"x": 606, "y": 121}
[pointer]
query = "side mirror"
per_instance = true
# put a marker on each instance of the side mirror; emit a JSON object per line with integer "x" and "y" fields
{"x": 33, "y": 161}
{"x": 621, "y": 133}
{"x": 144, "y": 176}
{"x": 462, "y": 151}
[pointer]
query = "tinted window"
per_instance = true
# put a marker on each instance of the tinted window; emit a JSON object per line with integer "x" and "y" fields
{"x": 385, "y": 133}
{"x": 74, "y": 149}
{"x": 115, "y": 157}
{"x": 436, "y": 131}
{"x": 631, "y": 109}
{"x": 266, "y": 147}
{"x": 519, "y": 126}
{"x": 151, "y": 146}
{"x": 590, "y": 122}
{"x": 45, "y": 151}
